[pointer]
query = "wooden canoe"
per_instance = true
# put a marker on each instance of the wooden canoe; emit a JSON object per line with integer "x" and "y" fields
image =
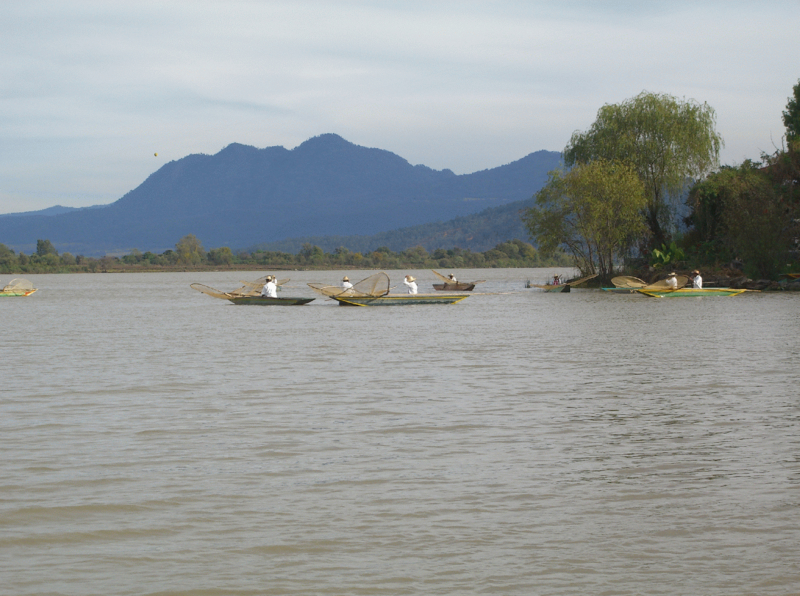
{"x": 399, "y": 299}
{"x": 689, "y": 292}
{"x": 264, "y": 301}
{"x": 565, "y": 287}
{"x": 454, "y": 287}
{"x": 16, "y": 292}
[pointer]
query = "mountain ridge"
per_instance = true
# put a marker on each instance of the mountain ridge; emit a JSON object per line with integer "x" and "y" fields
{"x": 243, "y": 195}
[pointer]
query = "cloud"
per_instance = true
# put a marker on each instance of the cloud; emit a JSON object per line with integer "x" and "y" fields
{"x": 92, "y": 89}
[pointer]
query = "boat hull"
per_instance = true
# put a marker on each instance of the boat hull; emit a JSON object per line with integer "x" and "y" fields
{"x": 691, "y": 292}
{"x": 399, "y": 300}
{"x": 456, "y": 287}
{"x": 264, "y": 301}
{"x": 17, "y": 294}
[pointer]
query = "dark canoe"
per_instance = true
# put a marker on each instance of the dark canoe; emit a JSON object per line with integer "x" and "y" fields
{"x": 456, "y": 287}
{"x": 264, "y": 301}
{"x": 399, "y": 299}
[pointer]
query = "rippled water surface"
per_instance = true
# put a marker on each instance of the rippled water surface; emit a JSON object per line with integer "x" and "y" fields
{"x": 159, "y": 441}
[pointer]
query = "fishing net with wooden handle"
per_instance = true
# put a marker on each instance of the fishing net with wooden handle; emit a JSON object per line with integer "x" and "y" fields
{"x": 18, "y": 285}
{"x": 374, "y": 285}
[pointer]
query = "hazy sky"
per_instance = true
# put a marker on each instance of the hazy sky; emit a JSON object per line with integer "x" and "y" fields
{"x": 89, "y": 91}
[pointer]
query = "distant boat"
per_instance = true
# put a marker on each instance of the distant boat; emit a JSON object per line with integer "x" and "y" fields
{"x": 18, "y": 287}
{"x": 449, "y": 285}
{"x": 374, "y": 291}
{"x": 566, "y": 286}
{"x": 250, "y": 293}
{"x": 689, "y": 292}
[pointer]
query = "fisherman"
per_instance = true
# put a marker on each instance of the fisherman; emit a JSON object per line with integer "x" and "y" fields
{"x": 672, "y": 281}
{"x": 697, "y": 281}
{"x": 411, "y": 283}
{"x": 346, "y": 283}
{"x": 453, "y": 279}
{"x": 270, "y": 288}
{"x": 556, "y": 280}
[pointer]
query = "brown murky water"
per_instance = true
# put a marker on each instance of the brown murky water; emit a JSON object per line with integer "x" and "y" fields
{"x": 159, "y": 441}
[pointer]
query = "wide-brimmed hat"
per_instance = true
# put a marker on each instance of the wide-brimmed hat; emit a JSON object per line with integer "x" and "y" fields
{"x": 671, "y": 274}
{"x": 696, "y": 271}
{"x": 345, "y": 278}
{"x": 451, "y": 275}
{"x": 411, "y": 278}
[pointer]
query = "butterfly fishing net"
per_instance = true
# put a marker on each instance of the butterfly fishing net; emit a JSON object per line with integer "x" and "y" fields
{"x": 18, "y": 285}
{"x": 374, "y": 285}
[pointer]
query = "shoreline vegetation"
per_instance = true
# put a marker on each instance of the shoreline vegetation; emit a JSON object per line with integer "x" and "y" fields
{"x": 189, "y": 255}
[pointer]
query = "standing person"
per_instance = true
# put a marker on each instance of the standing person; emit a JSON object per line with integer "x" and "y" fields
{"x": 556, "y": 280}
{"x": 346, "y": 283}
{"x": 672, "y": 281}
{"x": 697, "y": 281}
{"x": 411, "y": 284}
{"x": 270, "y": 288}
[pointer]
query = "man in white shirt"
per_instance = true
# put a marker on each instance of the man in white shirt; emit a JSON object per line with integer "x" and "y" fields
{"x": 346, "y": 283}
{"x": 672, "y": 281}
{"x": 697, "y": 281}
{"x": 411, "y": 284}
{"x": 270, "y": 288}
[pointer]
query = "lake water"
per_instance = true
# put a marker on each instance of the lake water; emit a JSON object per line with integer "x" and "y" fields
{"x": 158, "y": 441}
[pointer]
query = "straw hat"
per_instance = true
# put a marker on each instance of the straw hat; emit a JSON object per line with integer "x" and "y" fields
{"x": 411, "y": 278}
{"x": 696, "y": 271}
{"x": 345, "y": 278}
{"x": 672, "y": 274}
{"x": 452, "y": 276}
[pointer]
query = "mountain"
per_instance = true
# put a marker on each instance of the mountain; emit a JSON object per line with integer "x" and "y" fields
{"x": 478, "y": 232}
{"x": 243, "y": 196}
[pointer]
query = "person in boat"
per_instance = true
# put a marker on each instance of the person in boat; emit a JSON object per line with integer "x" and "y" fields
{"x": 672, "y": 281}
{"x": 556, "y": 280}
{"x": 270, "y": 289}
{"x": 697, "y": 281}
{"x": 346, "y": 283}
{"x": 411, "y": 284}
{"x": 453, "y": 279}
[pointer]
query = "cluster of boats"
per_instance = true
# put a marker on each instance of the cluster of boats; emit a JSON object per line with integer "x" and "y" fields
{"x": 372, "y": 291}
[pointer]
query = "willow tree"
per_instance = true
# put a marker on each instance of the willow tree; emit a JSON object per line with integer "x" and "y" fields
{"x": 593, "y": 211}
{"x": 667, "y": 141}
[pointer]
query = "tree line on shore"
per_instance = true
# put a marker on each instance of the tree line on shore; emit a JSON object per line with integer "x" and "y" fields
{"x": 190, "y": 254}
{"x": 624, "y": 179}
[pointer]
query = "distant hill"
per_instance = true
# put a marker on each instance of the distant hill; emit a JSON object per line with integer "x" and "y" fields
{"x": 478, "y": 232}
{"x": 243, "y": 196}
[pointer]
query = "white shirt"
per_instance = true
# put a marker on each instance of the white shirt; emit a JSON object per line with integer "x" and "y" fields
{"x": 412, "y": 286}
{"x": 672, "y": 282}
{"x": 270, "y": 290}
{"x": 697, "y": 282}
{"x": 347, "y": 285}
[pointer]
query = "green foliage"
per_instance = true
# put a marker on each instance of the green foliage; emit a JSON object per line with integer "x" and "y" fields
{"x": 190, "y": 250}
{"x": 666, "y": 255}
{"x": 791, "y": 117}
{"x": 514, "y": 253}
{"x": 667, "y": 141}
{"x": 594, "y": 211}
{"x": 749, "y": 213}
{"x": 45, "y": 247}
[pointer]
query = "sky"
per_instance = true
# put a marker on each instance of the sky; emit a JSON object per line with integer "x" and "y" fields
{"x": 90, "y": 91}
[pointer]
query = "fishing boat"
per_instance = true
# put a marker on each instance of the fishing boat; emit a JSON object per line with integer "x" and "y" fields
{"x": 250, "y": 293}
{"x": 624, "y": 284}
{"x": 18, "y": 287}
{"x": 566, "y": 286}
{"x": 689, "y": 292}
{"x": 374, "y": 291}
{"x": 450, "y": 285}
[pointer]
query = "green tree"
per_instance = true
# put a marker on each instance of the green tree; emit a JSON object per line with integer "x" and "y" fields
{"x": 7, "y": 255}
{"x": 220, "y": 256}
{"x": 791, "y": 117}
{"x": 45, "y": 247}
{"x": 667, "y": 141}
{"x": 189, "y": 250}
{"x": 594, "y": 211}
